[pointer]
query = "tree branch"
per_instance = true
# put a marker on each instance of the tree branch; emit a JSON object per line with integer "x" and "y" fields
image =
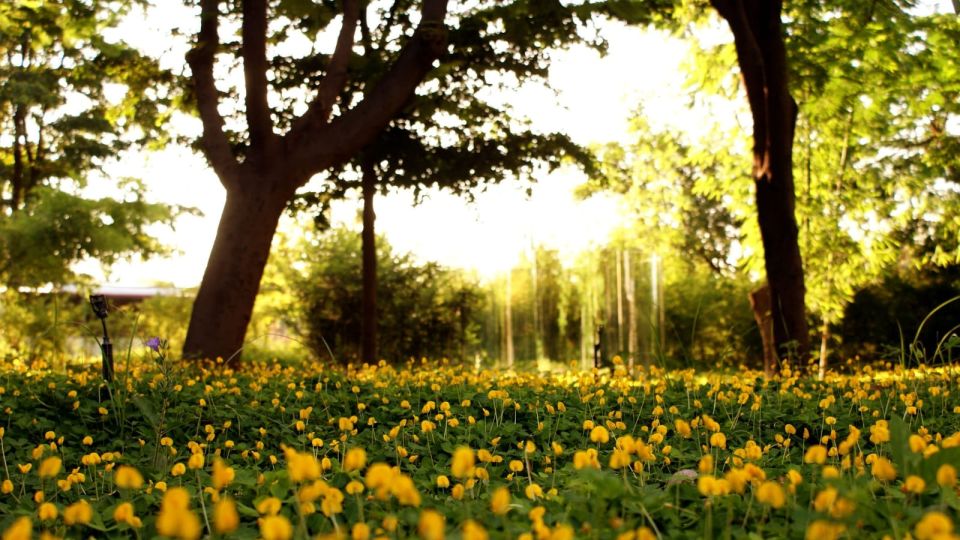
{"x": 334, "y": 79}
{"x": 201, "y": 58}
{"x": 355, "y": 128}
{"x": 254, "y": 52}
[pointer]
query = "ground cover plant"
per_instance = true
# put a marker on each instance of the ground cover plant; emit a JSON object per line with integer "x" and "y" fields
{"x": 294, "y": 451}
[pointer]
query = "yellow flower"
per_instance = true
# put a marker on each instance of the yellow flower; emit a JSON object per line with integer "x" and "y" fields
{"x": 516, "y": 465}
{"x": 719, "y": 440}
{"x": 269, "y": 506}
{"x": 883, "y": 470}
{"x": 443, "y": 482}
{"x": 355, "y": 459}
{"x": 50, "y": 467}
{"x": 461, "y": 465}
{"x": 302, "y": 467}
{"x": 533, "y": 491}
{"x": 47, "y": 511}
{"x": 824, "y": 530}
{"x": 124, "y": 513}
{"x": 474, "y": 531}
{"x": 78, "y": 513}
{"x": 276, "y": 528}
{"x": 222, "y": 474}
{"x": 457, "y": 492}
{"x": 816, "y": 454}
{"x": 683, "y": 428}
{"x": 22, "y": 529}
{"x": 88, "y": 440}
{"x": 360, "y": 531}
{"x": 914, "y": 484}
{"x": 354, "y": 487}
{"x": 6, "y": 487}
{"x": 932, "y": 526}
{"x": 771, "y": 494}
{"x": 430, "y": 525}
{"x": 178, "y": 469}
{"x": 127, "y": 477}
{"x": 599, "y": 435}
{"x": 586, "y": 458}
{"x": 947, "y": 476}
{"x": 196, "y": 461}
{"x": 225, "y": 517}
{"x": 917, "y": 444}
{"x": 500, "y": 501}
{"x": 825, "y": 499}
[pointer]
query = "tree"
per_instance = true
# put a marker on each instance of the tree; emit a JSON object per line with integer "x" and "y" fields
{"x": 426, "y": 311}
{"x": 62, "y": 121}
{"x": 262, "y": 169}
{"x": 762, "y": 56}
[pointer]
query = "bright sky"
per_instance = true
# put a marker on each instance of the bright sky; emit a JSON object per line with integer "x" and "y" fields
{"x": 595, "y": 100}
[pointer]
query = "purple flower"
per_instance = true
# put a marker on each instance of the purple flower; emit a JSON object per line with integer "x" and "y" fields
{"x": 154, "y": 343}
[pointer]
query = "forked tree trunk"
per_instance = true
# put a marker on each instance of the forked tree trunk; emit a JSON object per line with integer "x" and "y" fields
{"x": 274, "y": 166}
{"x": 231, "y": 280}
{"x": 761, "y": 54}
{"x": 368, "y": 324}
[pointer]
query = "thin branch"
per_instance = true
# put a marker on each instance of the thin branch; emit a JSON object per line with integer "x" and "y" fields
{"x": 356, "y": 127}
{"x": 201, "y": 59}
{"x": 254, "y": 52}
{"x": 334, "y": 79}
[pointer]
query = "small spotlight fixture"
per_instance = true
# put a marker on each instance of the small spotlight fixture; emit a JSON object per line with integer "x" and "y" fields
{"x": 99, "y": 304}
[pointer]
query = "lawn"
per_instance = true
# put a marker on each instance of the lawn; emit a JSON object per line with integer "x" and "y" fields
{"x": 437, "y": 450}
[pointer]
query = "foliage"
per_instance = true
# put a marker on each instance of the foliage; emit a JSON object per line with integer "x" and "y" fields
{"x": 436, "y": 450}
{"x": 424, "y": 309}
{"x": 879, "y": 314}
{"x": 71, "y": 101}
{"x": 40, "y": 243}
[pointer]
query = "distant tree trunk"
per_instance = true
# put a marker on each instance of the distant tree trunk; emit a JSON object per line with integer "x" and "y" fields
{"x": 824, "y": 338}
{"x": 368, "y": 320}
{"x": 761, "y": 54}
{"x": 508, "y": 322}
{"x": 233, "y": 272}
{"x": 619, "y": 302}
{"x": 760, "y": 302}
{"x": 631, "y": 313}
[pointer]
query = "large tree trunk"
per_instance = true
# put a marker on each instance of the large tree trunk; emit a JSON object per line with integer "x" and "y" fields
{"x": 368, "y": 324}
{"x": 761, "y": 54}
{"x": 231, "y": 280}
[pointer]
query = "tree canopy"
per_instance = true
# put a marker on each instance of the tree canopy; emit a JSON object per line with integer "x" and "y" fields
{"x": 70, "y": 102}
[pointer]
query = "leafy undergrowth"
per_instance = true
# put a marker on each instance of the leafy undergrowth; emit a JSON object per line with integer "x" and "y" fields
{"x": 437, "y": 450}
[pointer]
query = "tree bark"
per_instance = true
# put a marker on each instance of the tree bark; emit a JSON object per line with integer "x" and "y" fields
{"x": 231, "y": 280}
{"x": 760, "y": 302}
{"x": 368, "y": 325}
{"x": 761, "y": 54}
